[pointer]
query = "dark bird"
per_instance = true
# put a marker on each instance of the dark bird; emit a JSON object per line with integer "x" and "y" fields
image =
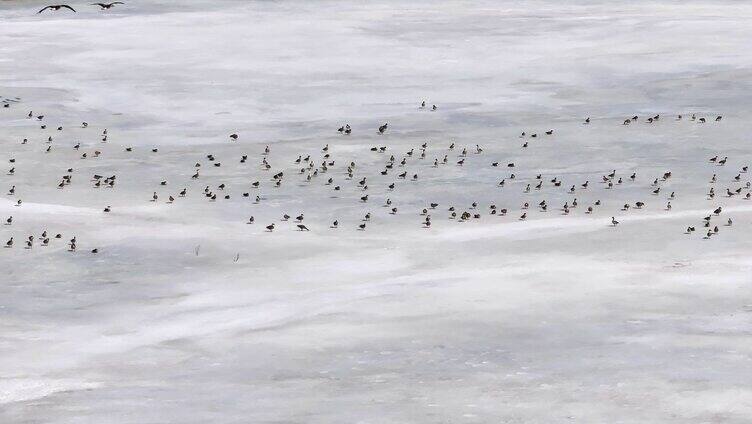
{"x": 303, "y": 227}
{"x": 107, "y": 5}
{"x": 56, "y": 7}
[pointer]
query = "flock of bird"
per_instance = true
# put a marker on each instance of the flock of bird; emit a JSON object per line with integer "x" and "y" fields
{"x": 58, "y": 7}
{"x": 354, "y": 177}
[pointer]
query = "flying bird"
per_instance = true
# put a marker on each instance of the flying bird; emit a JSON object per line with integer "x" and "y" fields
{"x": 107, "y": 5}
{"x": 56, "y": 7}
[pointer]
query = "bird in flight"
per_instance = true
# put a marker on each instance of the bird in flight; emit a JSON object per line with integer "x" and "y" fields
{"x": 56, "y": 7}
{"x": 107, "y": 5}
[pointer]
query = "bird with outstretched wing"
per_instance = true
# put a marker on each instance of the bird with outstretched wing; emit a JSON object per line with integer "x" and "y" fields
{"x": 107, "y": 5}
{"x": 56, "y": 7}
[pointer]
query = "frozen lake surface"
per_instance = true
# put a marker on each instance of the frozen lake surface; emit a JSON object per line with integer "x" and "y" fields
{"x": 189, "y": 315}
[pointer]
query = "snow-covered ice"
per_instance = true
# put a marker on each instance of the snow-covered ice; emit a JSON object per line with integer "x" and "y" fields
{"x": 554, "y": 319}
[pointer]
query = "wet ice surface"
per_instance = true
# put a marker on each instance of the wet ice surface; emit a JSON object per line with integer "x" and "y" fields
{"x": 553, "y": 319}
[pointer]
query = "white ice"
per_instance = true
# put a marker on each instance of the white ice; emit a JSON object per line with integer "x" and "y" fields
{"x": 555, "y": 319}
